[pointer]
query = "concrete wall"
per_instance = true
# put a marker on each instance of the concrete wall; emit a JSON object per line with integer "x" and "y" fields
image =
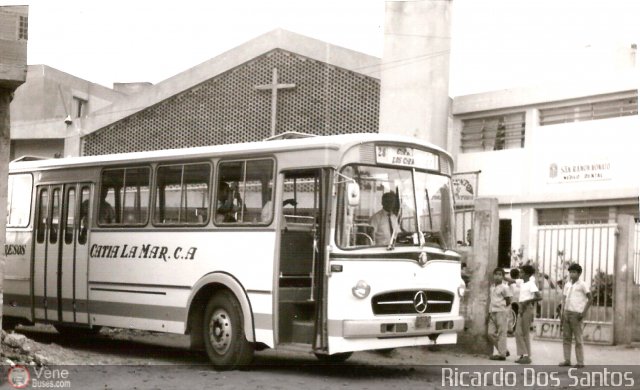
{"x": 41, "y": 105}
{"x": 414, "y": 96}
{"x": 13, "y": 47}
{"x": 517, "y": 176}
{"x": 523, "y": 179}
{"x": 48, "y": 93}
{"x": 37, "y": 147}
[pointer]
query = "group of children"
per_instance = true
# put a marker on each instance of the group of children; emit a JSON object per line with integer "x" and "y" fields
{"x": 507, "y": 290}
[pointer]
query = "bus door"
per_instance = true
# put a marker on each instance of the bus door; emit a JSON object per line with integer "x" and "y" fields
{"x": 301, "y": 251}
{"x": 61, "y": 253}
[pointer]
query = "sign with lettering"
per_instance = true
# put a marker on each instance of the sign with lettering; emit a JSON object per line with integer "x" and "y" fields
{"x": 465, "y": 188}
{"x": 592, "y": 332}
{"x": 14, "y": 250}
{"x": 574, "y": 172}
{"x": 145, "y": 251}
{"x": 408, "y": 157}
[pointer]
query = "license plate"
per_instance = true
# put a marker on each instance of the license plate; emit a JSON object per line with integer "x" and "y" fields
{"x": 423, "y": 322}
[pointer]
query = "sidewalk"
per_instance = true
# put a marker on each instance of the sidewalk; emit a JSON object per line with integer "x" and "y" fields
{"x": 545, "y": 352}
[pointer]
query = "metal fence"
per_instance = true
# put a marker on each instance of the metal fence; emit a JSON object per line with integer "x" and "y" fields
{"x": 593, "y": 248}
{"x": 464, "y": 224}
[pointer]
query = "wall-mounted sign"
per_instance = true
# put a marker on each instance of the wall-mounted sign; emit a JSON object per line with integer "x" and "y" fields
{"x": 574, "y": 172}
{"x": 408, "y": 157}
{"x": 465, "y": 188}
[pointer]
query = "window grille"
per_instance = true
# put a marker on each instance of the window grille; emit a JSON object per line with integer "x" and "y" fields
{"x": 493, "y": 133}
{"x": 590, "y": 111}
{"x": 23, "y": 28}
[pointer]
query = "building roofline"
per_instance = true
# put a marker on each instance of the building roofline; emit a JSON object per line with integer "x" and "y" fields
{"x": 276, "y": 39}
{"x": 546, "y": 93}
{"x": 53, "y": 73}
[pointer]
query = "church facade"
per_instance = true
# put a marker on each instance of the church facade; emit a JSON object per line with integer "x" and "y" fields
{"x": 279, "y": 82}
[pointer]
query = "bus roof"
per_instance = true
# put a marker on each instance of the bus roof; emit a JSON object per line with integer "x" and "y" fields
{"x": 337, "y": 142}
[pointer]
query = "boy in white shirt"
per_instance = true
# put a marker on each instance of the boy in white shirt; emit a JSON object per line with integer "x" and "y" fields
{"x": 577, "y": 300}
{"x": 529, "y": 295}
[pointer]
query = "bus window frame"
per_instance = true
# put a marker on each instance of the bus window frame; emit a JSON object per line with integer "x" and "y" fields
{"x": 98, "y": 195}
{"x": 154, "y": 192}
{"x": 340, "y": 198}
{"x": 31, "y": 201}
{"x": 214, "y": 204}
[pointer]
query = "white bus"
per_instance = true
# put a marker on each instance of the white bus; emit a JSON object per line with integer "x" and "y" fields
{"x": 242, "y": 247}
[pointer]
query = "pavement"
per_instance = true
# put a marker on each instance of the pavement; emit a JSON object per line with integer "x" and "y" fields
{"x": 544, "y": 352}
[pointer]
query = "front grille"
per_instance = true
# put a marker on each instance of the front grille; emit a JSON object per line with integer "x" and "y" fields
{"x": 401, "y": 302}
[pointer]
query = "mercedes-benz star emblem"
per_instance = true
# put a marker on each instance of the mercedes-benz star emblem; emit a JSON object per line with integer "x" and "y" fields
{"x": 420, "y": 302}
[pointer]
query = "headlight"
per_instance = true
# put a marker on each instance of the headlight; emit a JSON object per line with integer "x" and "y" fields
{"x": 361, "y": 289}
{"x": 461, "y": 290}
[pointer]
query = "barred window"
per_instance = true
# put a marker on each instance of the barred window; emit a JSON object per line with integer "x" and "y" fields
{"x": 577, "y": 216}
{"x": 23, "y": 28}
{"x": 590, "y": 111}
{"x": 493, "y": 133}
{"x": 588, "y": 215}
{"x": 553, "y": 217}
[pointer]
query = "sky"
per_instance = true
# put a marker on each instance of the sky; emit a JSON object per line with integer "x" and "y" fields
{"x": 496, "y": 44}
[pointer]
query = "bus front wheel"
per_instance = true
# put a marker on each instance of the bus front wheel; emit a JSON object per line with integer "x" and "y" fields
{"x": 224, "y": 339}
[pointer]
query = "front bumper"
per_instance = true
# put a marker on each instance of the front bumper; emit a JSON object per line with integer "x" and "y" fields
{"x": 404, "y": 326}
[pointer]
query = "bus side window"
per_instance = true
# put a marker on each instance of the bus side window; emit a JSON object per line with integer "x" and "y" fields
{"x": 43, "y": 206}
{"x": 182, "y": 194}
{"x": 55, "y": 216}
{"x": 19, "y": 200}
{"x": 124, "y": 196}
{"x": 244, "y": 192}
{"x": 69, "y": 218}
{"x": 84, "y": 215}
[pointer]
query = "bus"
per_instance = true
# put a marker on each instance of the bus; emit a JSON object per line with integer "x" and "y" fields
{"x": 242, "y": 246}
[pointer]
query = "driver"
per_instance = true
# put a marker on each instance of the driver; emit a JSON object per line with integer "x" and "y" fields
{"x": 385, "y": 221}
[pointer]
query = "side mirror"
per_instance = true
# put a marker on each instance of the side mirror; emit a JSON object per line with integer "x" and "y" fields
{"x": 353, "y": 194}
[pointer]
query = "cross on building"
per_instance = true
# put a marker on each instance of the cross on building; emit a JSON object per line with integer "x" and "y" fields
{"x": 274, "y": 87}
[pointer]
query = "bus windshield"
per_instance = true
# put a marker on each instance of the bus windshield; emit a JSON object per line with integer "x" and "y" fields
{"x": 397, "y": 207}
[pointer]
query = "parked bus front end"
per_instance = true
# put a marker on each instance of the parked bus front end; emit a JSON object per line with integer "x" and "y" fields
{"x": 393, "y": 278}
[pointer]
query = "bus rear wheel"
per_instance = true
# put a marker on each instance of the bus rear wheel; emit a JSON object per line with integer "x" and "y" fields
{"x": 224, "y": 339}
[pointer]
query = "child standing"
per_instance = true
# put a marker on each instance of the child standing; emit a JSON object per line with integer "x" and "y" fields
{"x": 529, "y": 295}
{"x": 499, "y": 301}
{"x": 577, "y": 300}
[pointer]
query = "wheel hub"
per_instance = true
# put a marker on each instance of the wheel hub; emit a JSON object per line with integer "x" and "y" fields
{"x": 220, "y": 331}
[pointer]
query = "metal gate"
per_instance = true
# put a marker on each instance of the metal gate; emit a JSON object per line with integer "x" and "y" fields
{"x": 464, "y": 225}
{"x": 591, "y": 246}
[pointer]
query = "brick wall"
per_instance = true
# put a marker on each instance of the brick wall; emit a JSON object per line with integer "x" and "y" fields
{"x": 227, "y": 108}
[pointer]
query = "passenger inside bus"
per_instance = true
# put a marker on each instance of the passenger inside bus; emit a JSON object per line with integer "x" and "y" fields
{"x": 267, "y": 209}
{"x": 226, "y": 209}
{"x": 107, "y": 214}
{"x": 385, "y": 221}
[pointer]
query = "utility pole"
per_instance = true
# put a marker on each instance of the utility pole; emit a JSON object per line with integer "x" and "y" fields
{"x": 13, "y": 72}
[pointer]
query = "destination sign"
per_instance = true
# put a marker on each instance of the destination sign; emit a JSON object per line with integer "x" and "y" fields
{"x": 408, "y": 157}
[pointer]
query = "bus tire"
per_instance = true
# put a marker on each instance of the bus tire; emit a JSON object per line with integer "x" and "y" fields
{"x": 335, "y": 358}
{"x": 223, "y": 331}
